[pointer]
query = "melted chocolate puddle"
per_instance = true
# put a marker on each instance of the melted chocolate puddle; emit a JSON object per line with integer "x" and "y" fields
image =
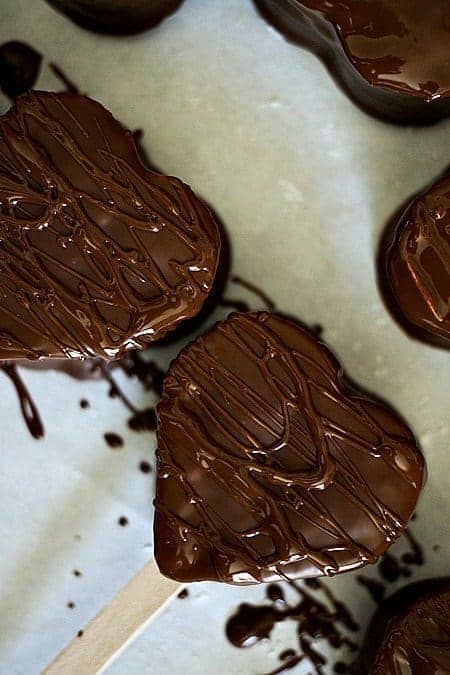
{"x": 28, "y": 408}
{"x": 327, "y": 619}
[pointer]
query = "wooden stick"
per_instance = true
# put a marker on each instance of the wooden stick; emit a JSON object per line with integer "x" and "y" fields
{"x": 107, "y": 635}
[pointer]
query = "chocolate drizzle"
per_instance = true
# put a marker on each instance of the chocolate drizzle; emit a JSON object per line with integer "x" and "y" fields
{"x": 28, "y": 408}
{"x": 315, "y": 619}
{"x": 97, "y": 254}
{"x": 389, "y": 55}
{"x": 263, "y": 452}
{"x": 414, "y": 266}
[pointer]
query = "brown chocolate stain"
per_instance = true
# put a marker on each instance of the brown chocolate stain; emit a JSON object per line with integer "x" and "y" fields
{"x": 113, "y": 440}
{"x": 183, "y": 594}
{"x": 123, "y": 521}
{"x": 315, "y": 618}
{"x": 145, "y": 467}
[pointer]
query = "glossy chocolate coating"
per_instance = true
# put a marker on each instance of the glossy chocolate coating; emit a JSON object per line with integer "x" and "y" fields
{"x": 414, "y": 266}
{"x": 410, "y": 633}
{"x": 98, "y": 255}
{"x": 391, "y": 56}
{"x": 269, "y": 465}
{"x": 117, "y": 16}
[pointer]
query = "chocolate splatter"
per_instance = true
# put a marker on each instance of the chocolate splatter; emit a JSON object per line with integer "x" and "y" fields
{"x": 113, "y": 440}
{"x": 19, "y": 68}
{"x": 80, "y": 633}
{"x": 69, "y": 85}
{"x": 71, "y": 605}
{"x": 183, "y": 594}
{"x": 84, "y": 403}
{"x": 315, "y": 619}
{"x": 376, "y": 589}
{"x": 123, "y": 521}
{"x": 392, "y": 567}
{"x": 28, "y": 408}
{"x": 77, "y": 573}
{"x": 145, "y": 467}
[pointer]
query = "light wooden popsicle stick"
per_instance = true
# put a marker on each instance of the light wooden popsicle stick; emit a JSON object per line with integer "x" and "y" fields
{"x": 116, "y": 625}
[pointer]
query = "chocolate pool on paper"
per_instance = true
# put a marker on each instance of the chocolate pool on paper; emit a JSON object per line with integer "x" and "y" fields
{"x": 391, "y": 56}
{"x": 117, "y": 16}
{"x": 414, "y": 266}
{"x": 410, "y": 633}
{"x": 269, "y": 465}
{"x": 98, "y": 255}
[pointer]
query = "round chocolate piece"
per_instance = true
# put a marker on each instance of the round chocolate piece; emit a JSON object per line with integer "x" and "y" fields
{"x": 19, "y": 68}
{"x": 269, "y": 465}
{"x": 98, "y": 255}
{"x": 391, "y": 56}
{"x": 117, "y": 16}
{"x": 414, "y": 266}
{"x": 410, "y": 633}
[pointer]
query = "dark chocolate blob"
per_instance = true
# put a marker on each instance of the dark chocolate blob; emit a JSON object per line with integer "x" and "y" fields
{"x": 314, "y": 619}
{"x": 19, "y": 68}
{"x": 410, "y": 633}
{"x": 98, "y": 255}
{"x": 269, "y": 465}
{"x": 117, "y": 16}
{"x": 391, "y": 56}
{"x": 414, "y": 266}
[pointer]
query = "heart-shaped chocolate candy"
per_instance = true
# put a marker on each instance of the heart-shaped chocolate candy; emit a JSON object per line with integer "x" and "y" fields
{"x": 269, "y": 465}
{"x": 98, "y": 255}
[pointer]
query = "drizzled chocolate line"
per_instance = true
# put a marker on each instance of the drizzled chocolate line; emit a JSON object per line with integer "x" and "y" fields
{"x": 97, "y": 254}
{"x": 262, "y": 452}
{"x": 30, "y": 413}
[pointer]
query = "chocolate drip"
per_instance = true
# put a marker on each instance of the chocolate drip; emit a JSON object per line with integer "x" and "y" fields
{"x": 414, "y": 266}
{"x": 69, "y": 85}
{"x": 97, "y": 255}
{"x": 19, "y": 68}
{"x": 28, "y": 408}
{"x": 263, "y": 452}
{"x": 315, "y": 619}
{"x": 390, "y": 55}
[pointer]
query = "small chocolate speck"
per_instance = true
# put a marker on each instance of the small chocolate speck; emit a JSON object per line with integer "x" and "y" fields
{"x": 77, "y": 573}
{"x": 317, "y": 328}
{"x": 71, "y": 605}
{"x": 80, "y": 633}
{"x": 84, "y": 403}
{"x": 145, "y": 467}
{"x": 183, "y": 594}
{"x": 436, "y": 547}
{"x": 113, "y": 440}
{"x": 123, "y": 521}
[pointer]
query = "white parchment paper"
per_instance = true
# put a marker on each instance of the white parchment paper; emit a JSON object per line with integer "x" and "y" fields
{"x": 304, "y": 183}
